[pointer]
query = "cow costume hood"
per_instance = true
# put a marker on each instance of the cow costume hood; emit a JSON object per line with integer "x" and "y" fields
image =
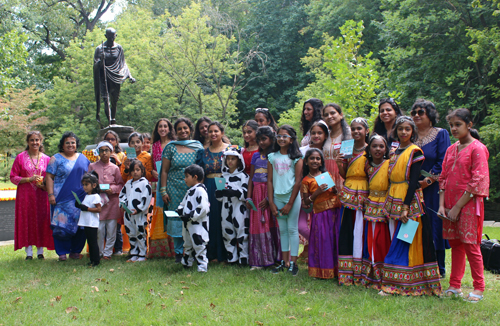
{"x": 233, "y": 151}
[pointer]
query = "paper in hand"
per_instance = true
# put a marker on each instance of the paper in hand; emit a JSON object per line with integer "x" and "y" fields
{"x": 252, "y": 204}
{"x": 347, "y": 148}
{"x": 104, "y": 186}
{"x": 171, "y": 214}
{"x": 126, "y": 208}
{"x": 325, "y": 178}
{"x": 407, "y": 231}
{"x": 76, "y": 198}
{"x": 158, "y": 167}
{"x": 220, "y": 183}
{"x": 131, "y": 154}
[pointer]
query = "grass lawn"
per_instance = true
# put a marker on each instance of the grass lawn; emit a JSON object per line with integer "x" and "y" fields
{"x": 7, "y": 184}
{"x": 159, "y": 292}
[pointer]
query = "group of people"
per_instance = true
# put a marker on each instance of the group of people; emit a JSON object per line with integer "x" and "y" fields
{"x": 198, "y": 198}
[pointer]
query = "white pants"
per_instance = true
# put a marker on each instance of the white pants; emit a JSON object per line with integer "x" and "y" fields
{"x": 29, "y": 251}
{"x": 107, "y": 231}
{"x": 195, "y": 245}
{"x": 136, "y": 231}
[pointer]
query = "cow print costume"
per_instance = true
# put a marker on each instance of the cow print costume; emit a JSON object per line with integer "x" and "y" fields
{"x": 195, "y": 231}
{"x": 235, "y": 218}
{"x": 136, "y": 195}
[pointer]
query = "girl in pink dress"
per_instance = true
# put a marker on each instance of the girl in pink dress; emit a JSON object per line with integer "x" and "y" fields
{"x": 32, "y": 223}
{"x": 464, "y": 183}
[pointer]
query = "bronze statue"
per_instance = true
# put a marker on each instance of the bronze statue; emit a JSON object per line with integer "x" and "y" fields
{"x": 110, "y": 71}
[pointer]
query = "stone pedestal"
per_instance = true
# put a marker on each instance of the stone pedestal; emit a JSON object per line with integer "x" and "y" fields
{"x": 122, "y": 131}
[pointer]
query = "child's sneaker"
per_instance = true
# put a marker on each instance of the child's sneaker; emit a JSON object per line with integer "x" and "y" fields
{"x": 294, "y": 268}
{"x": 280, "y": 268}
{"x": 141, "y": 259}
{"x": 132, "y": 259}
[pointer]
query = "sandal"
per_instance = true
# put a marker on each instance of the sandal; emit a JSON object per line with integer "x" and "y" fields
{"x": 62, "y": 258}
{"x": 473, "y": 298}
{"x": 452, "y": 293}
{"x": 40, "y": 256}
{"x": 29, "y": 258}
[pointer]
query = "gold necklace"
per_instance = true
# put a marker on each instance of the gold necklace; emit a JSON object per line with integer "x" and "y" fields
{"x": 37, "y": 160}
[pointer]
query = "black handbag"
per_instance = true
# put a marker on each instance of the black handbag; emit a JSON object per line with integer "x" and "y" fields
{"x": 490, "y": 249}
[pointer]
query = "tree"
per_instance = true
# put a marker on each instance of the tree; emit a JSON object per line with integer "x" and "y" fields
{"x": 12, "y": 59}
{"x": 342, "y": 74}
{"x": 17, "y": 117}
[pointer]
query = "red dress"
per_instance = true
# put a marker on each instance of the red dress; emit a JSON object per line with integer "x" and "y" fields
{"x": 466, "y": 170}
{"x": 32, "y": 223}
{"x": 247, "y": 157}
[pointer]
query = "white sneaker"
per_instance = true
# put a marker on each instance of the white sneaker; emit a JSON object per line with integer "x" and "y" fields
{"x": 141, "y": 259}
{"x": 255, "y": 268}
{"x": 133, "y": 259}
{"x": 118, "y": 253}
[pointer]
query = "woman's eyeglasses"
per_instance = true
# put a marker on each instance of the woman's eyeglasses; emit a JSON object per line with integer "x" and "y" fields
{"x": 283, "y": 136}
{"x": 420, "y": 113}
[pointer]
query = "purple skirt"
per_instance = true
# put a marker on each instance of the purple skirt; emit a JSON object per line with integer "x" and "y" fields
{"x": 323, "y": 244}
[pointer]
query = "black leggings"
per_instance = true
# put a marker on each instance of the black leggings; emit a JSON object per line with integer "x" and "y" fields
{"x": 91, "y": 234}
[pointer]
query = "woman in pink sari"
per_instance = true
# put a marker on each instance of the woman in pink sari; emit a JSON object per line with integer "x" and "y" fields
{"x": 32, "y": 224}
{"x": 464, "y": 183}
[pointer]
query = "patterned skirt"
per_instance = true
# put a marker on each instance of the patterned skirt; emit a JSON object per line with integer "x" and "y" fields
{"x": 376, "y": 243}
{"x": 323, "y": 242}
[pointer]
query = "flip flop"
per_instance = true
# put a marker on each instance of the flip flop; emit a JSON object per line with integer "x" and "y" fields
{"x": 475, "y": 296}
{"x": 454, "y": 293}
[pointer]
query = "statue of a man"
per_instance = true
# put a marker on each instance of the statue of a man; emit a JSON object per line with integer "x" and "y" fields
{"x": 110, "y": 71}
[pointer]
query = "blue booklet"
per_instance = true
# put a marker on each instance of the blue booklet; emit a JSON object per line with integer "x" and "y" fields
{"x": 126, "y": 208}
{"x": 130, "y": 152}
{"x": 250, "y": 201}
{"x": 407, "y": 231}
{"x": 171, "y": 214}
{"x": 158, "y": 167}
{"x": 324, "y": 178}
{"x": 347, "y": 147}
{"x": 104, "y": 186}
{"x": 220, "y": 183}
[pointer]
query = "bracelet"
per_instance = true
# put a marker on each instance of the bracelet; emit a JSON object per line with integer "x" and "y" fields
{"x": 51, "y": 195}
{"x": 310, "y": 200}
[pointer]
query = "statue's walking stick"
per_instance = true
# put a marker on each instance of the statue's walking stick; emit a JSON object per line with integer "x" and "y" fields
{"x": 106, "y": 83}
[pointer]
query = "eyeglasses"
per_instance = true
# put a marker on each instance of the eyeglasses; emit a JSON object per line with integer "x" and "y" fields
{"x": 283, "y": 136}
{"x": 420, "y": 113}
{"x": 261, "y": 110}
{"x": 104, "y": 150}
{"x": 110, "y": 139}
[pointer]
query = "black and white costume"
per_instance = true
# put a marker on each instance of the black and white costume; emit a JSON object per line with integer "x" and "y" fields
{"x": 235, "y": 217}
{"x": 195, "y": 208}
{"x": 136, "y": 195}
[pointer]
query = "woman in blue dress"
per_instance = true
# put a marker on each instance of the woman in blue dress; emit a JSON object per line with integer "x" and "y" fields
{"x": 210, "y": 160}
{"x": 64, "y": 175}
{"x": 176, "y": 156}
{"x": 434, "y": 142}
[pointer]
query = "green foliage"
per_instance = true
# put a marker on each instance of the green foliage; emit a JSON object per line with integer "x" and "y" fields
{"x": 342, "y": 74}
{"x": 13, "y": 56}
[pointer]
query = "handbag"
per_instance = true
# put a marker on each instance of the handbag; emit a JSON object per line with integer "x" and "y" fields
{"x": 490, "y": 250}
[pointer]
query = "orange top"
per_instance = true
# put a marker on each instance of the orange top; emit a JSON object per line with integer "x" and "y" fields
{"x": 145, "y": 159}
{"x": 324, "y": 201}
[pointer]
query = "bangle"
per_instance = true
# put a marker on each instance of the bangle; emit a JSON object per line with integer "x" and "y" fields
{"x": 310, "y": 200}
{"x": 50, "y": 194}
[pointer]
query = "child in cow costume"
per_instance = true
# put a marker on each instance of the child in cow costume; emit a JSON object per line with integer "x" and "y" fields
{"x": 235, "y": 219}
{"x": 193, "y": 210}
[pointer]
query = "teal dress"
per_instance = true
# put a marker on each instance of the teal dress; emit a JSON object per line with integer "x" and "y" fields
{"x": 211, "y": 163}
{"x": 176, "y": 187}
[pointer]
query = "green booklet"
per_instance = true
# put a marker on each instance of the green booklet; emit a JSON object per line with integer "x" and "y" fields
{"x": 104, "y": 186}
{"x": 250, "y": 201}
{"x": 171, "y": 214}
{"x": 76, "y": 198}
{"x": 220, "y": 183}
{"x": 131, "y": 154}
{"x": 126, "y": 209}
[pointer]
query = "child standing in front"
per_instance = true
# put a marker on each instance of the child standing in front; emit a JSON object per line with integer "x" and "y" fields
{"x": 235, "y": 218}
{"x": 323, "y": 258}
{"x": 136, "y": 196}
{"x": 136, "y": 141}
{"x": 264, "y": 239}
{"x": 284, "y": 168}
{"x": 193, "y": 210}
{"x": 89, "y": 215}
{"x": 109, "y": 174}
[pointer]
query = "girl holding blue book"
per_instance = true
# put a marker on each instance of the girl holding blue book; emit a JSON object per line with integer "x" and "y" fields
{"x": 410, "y": 269}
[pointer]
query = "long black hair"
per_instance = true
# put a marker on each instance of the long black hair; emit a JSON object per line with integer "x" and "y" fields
{"x": 305, "y": 167}
{"x": 136, "y": 134}
{"x": 294, "y": 149}
{"x": 197, "y": 135}
{"x": 317, "y": 105}
{"x": 368, "y": 155}
{"x": 170, "y": 135}
{"x": 323, "y": 126}
{"x": 379, "y": 126}
{"x": 464, "y": 115}
{"x": 92, "y": 177}
{"x": 252, "y": 124}
{"x": 399, "y": 121}
{"x": 266, "y": 131}
{"x": 346, "y": 130}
